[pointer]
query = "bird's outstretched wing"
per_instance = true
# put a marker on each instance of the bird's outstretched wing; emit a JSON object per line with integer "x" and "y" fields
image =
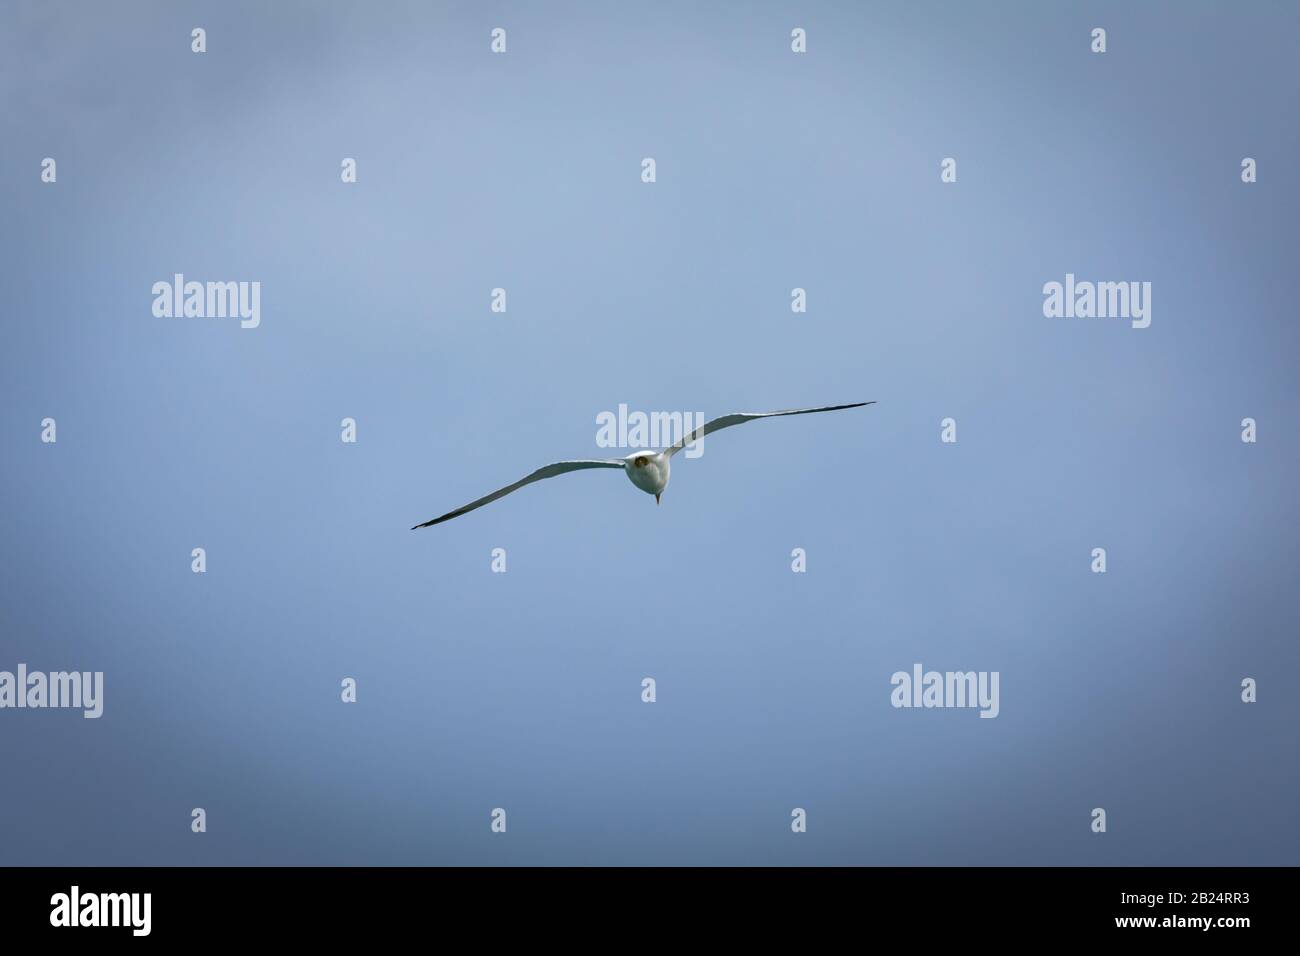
{"x": 726, "y": 421}
{"x": 546, "y": 471}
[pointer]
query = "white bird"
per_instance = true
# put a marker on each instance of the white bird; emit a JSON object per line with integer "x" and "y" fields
{"x": 647, "y": 470}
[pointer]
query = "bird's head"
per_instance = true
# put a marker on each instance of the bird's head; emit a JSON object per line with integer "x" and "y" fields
{"x": 647, "y": 461}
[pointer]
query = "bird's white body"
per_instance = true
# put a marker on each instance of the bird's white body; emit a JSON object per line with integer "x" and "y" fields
{"x": 648, "y": 470}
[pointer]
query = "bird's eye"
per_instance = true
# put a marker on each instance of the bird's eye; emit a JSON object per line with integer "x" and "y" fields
{"x": 640, "y": 462}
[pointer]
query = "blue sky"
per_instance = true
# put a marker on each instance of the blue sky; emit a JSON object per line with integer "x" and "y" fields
{"x": 522, "y": 690}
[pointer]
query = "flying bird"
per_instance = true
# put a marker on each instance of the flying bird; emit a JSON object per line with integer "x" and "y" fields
{"x": 648, "y": 470}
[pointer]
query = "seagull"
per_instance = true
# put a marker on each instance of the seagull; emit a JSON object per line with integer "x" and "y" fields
{"x": 648, "y": 470}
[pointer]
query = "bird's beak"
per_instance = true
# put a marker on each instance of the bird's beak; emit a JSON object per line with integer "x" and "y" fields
{"x": 656, "y": 499}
